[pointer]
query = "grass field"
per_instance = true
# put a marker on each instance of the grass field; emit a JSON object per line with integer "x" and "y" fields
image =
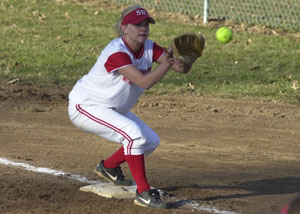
{"x": 54, "y": 43}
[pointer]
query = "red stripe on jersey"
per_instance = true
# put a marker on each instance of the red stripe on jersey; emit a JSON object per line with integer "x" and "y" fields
{"x": 117, "y": 60}
{"x": 157, "y": 51}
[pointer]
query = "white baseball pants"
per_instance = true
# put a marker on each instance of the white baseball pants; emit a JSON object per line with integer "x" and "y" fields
{"x": 136, "y": 136}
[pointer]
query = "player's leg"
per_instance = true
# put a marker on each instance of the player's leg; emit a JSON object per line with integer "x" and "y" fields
{"x": 116, "y": 159}
{"x": 108, "y": 124}
{"x": 119, "y": 128}
{"x": 145, "y": 196}
{"x": 152, "y": 139}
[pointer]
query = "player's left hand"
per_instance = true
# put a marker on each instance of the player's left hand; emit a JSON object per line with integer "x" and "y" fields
{"x": 188, "y": 47}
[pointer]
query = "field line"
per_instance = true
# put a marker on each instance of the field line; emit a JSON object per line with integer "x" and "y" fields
{"x": 28, "y": 167}
{"x": 192, "y": 204}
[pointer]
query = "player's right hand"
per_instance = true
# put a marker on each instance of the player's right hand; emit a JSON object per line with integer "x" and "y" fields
{"x": 168, "y": 59}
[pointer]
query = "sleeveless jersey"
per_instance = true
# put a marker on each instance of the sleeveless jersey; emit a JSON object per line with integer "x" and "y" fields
{"x": 105, "y": 86}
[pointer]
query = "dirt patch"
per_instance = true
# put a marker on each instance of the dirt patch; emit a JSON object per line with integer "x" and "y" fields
{"x": 235, "y": 155}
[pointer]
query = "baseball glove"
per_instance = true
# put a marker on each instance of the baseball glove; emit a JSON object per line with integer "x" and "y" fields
{"x": 188, "y": 47}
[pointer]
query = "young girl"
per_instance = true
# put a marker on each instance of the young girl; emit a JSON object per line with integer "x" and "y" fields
{"x": 100, "y": 101}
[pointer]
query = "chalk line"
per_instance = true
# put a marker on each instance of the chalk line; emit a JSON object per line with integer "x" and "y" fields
{"x": 47, "y": 171}
{"x": 192, "y": 204}
{"x": 196, "y": 206}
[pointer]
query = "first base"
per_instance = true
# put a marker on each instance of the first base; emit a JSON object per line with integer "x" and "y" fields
{"x": 109, "y": 190}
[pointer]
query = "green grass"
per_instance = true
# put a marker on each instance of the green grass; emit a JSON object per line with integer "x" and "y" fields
{"x": 54, "y": 43}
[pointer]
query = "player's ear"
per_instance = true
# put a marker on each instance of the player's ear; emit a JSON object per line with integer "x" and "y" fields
{"x": 124, "y": 29}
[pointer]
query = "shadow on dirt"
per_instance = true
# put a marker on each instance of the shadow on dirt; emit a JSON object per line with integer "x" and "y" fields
{"x": 274, "y": 186}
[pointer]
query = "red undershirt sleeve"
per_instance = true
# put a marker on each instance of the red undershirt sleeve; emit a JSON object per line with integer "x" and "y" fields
{"x": 157, "y": 51}
{"x": 117, "y": 61}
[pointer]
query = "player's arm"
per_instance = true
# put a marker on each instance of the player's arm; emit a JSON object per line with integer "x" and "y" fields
{"x": 159, "y": 55}
{"x": 177, "y": 66}
{"x": 146, "y": 81}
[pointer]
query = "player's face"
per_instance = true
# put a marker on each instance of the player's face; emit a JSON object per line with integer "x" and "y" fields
{"x": 139, "y": 32}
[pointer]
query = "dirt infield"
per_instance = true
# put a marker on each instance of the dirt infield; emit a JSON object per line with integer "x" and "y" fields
{"x": 239, "y": 156}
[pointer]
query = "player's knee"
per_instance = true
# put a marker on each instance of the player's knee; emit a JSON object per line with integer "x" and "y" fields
{"x": 143, "y": 145}
{"x": 152, "y": 146}
{"x": 155, "y": 139}
{"x": 145, "y": 142}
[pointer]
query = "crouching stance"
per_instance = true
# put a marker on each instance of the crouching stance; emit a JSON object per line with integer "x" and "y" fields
{"x": 100, "y": 102}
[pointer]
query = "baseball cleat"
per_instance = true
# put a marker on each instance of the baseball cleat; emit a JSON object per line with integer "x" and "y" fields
{"x": 113, "y": 175}
{"x": 150, "y": 198}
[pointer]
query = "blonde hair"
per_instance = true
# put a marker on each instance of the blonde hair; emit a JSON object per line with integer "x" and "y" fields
{"x": 118, "y": 28}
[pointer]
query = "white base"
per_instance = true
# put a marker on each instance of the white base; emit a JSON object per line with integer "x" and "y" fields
{"x": 109, "y": 190}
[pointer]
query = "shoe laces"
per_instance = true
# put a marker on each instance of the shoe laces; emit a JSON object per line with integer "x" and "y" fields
{"x": 154, "y": 193}
{"x": 119, "y": 173}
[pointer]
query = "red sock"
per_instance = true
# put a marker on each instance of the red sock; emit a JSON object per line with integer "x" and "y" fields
{"x": 116, "y": 159}
{"x": 136, "y": 165}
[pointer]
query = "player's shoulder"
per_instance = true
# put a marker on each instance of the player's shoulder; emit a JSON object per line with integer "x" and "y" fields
{"x": 113, "y": 47}
{"x": 116, "y": 45}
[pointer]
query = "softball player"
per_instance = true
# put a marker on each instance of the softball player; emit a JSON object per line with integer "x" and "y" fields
{"x": 100, "y": 101}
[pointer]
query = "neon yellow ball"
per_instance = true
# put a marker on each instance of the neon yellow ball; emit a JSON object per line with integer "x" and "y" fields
{"x": 224, "y": 34}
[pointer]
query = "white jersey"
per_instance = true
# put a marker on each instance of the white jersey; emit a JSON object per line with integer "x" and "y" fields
{"x": 105, "y": 86}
